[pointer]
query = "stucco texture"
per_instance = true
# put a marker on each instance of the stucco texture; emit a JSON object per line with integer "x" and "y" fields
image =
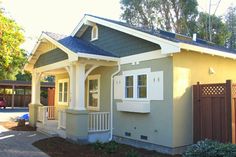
{"x": 156, "y": 125}
{"x": 188, "y": 69}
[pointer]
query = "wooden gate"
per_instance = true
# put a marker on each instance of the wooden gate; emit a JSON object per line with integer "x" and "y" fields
{"x": 51, "y": 108}
{"x": 214, "y": 111}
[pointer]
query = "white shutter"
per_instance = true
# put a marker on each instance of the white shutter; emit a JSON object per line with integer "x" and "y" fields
{"x": 155, "y": 85}
{"x": 118, "y": 87}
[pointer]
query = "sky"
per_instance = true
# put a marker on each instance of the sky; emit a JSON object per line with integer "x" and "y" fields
{"x": 62, "y": 16}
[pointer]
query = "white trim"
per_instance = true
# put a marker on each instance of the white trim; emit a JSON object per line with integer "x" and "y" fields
{"x": 63, "y": 94}
{"x": 97, "y": 57}
{"x": 94, "y": 77}
{"x": 89, "y": 71}
{"x": 135, "y": 59}
{"x": 95, "y": 28}
{"x": 53, "y": 66}
{"x": 207, "y": 51}
{"x": 166, "y": 45}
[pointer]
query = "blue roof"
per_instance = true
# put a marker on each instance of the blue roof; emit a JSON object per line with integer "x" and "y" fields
{"x": 171, "y": 36}
{"x": 79, "y": 46}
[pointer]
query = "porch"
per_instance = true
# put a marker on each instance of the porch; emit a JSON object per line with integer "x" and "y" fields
{"x": 98, "y": 123}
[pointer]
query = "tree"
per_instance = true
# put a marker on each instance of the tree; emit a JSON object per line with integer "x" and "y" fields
{"x": 171, "y": 15}
{"x": 12, "y": 57}
{"x": 231, "y": 26}
{"x": 219, "y": 31}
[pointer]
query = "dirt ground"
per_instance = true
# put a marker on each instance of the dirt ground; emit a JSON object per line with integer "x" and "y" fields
{"x": 58, "y": 147}
{"x": 14, "y": 126}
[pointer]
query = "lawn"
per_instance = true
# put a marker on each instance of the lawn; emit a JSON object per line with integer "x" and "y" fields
{"x": 59, "y": 147}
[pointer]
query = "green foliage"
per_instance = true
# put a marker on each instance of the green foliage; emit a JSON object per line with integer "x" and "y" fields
{"x": 23, "y": 76}
{"x": 209, "y": 148}
{"x": 111, "y": 147}
{"x": 231, "y": 27}
{"x": 170, "y": 15}
{"x": 132, "y": 153}
{"x": 219, "y": 30}
{"x": 12, "y": 57}
{"x": 98, "y": 145}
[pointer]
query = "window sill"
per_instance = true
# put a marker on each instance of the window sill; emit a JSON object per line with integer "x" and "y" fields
{"x": 94, "y": 39}
{"x": 134, "y": 106}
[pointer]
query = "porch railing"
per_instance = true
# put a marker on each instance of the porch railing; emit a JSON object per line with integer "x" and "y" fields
{"x": 99, "y": 121}
{"x": 46, "y": 113}
{"x": 61, "y": 119}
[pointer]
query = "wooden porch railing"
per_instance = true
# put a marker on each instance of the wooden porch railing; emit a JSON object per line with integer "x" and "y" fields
{"x": 99, "y": 121}
{"x": 61, "y": 119}
{"x": 46, "y": 113}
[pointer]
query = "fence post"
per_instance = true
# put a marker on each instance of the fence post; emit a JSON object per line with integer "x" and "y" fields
{"x": 196, "y": 112}
{"x": 228, "y": 101}
{"x": 59, "y": 119}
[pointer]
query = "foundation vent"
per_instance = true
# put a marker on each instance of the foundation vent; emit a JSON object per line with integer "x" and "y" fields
{"x": 143, "y": 137}
{"x": 127, "y": 134}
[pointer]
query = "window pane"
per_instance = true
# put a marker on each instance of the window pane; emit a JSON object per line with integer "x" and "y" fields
{"x": 142, "y": 80}
{"x": 60, "y": 92}
{"x": 60, "y": 87}
{"x": 129, "y": 92}
{"x": 93, "y": 93}
{"x": 142, "y": 86}
{"x": 142, "y": 92}
{"x": 65, "y": 91}
{"x": 129, "y": 80}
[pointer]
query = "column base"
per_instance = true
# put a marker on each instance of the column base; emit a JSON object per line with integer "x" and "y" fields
{"x": 33, "y": 111}
{"x": 77, "y": 125}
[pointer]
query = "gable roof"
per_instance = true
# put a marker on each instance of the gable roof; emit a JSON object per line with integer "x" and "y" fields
{"x": 79, "y": 46}
{"x": 182, "y": 41}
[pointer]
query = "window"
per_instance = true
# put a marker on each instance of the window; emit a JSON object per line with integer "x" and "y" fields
{"x": 63, "y": 91}
{"x": 94, "y": 33}
{"x": 93, "y": 92}
{"x": 129, "y": 85}
{"x": 142, "y": 86}
{"x": 136, "y": 84}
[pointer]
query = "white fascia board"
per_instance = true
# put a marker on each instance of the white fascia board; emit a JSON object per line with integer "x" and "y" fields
{"x": 166, "y": 45}
{"x": 53, "y": 66}
{"x": 142, "y": 57}
{"x": 207, "y": 51}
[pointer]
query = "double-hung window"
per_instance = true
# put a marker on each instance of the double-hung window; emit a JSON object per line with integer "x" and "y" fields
{"x": 93, "y": 95}
{"x": 63, "y": 91}
{"x": 136, "y": 86}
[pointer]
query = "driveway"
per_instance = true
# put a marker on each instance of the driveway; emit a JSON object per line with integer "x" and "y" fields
{"x": 10, "y": 114}
{"x": 18, "y": 143}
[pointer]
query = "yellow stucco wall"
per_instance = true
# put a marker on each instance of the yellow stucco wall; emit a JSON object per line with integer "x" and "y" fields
{"x": 57, "y": 105}
{"x": 189, "y": 68}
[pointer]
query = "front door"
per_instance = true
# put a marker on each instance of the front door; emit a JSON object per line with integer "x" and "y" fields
{"x": 93, "y": 94}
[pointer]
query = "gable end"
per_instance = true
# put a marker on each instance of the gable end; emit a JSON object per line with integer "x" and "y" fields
{"x": 119, "y": 43}
{"x": 50, "y": 57}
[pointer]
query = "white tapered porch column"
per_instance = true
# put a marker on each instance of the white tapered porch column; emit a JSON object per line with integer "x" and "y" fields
{"x": 77, "y": 117}
{"x": 72, "y": 74}
{"x": 80, "y": 87}
{"x": 35, "y": 98}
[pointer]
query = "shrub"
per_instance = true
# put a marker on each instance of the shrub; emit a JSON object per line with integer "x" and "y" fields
{"x": 111, "y": 147}
{"x": 98, "y": 145}
{"x": 132, "y": 153}
{"x": 210, "y": 148}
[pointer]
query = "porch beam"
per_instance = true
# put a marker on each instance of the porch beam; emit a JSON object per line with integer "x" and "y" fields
{"x": 97, "y": 62}
{"x": 53, "y": 66}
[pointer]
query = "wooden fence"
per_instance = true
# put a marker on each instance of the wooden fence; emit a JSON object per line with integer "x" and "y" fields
{"x": 214, "y": 111}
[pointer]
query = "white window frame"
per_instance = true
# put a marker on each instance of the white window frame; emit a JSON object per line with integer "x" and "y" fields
{"x": 135, "y": 74}
{"x": 94, "y": 37}
{"x": 93, "y": 77}
{"x": 63, "y": 94}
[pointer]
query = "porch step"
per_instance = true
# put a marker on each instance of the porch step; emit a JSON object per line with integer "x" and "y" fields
{"x": 48, "y": 130}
